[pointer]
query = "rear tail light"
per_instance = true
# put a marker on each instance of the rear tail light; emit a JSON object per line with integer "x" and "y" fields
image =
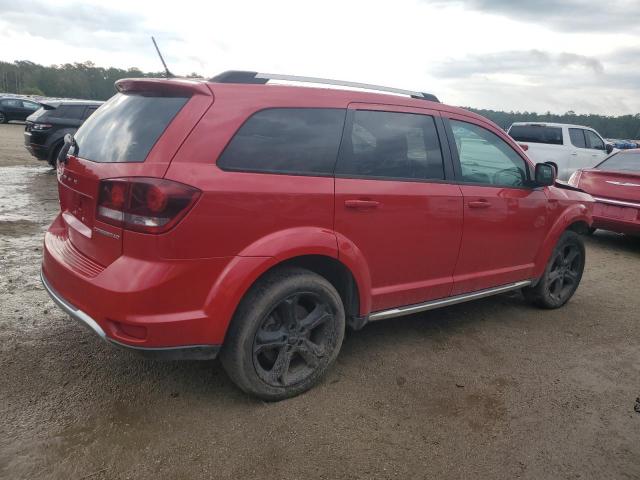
{"x": 574, "y": 179}
{"x": 148, "y": 205}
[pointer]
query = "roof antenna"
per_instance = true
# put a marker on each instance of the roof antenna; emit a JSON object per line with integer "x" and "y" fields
{"x": 168, "y": 74}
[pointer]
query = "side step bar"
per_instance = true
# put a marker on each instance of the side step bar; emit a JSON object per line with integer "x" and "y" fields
{"x": 445, "y": 302}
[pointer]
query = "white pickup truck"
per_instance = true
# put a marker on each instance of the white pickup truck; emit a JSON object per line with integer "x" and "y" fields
{"x": 571, "y": 147}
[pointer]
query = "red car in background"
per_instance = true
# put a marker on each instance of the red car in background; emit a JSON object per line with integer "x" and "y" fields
{"x": 615, "y": 186}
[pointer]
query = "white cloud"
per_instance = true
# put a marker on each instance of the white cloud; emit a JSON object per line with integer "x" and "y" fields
{"x": 407, "y": 44}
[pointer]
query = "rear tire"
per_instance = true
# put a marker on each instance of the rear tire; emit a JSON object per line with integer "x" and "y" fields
{"x": 562, "y": 275}
{"x": 285, "y": 335}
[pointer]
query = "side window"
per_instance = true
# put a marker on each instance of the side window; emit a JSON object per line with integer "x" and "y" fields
{"x": 486, "y": 158}
{"x": 30, "y": 106}
{"x": 286, "y": 140}
{"x": 593, "y": 140}
{"x": 70, "y": 112}
{"x": 391, "y": 145}
{"x": 577, "y": 137}
{"x": 88, "y": 112}
{"x": 12, "y": 103}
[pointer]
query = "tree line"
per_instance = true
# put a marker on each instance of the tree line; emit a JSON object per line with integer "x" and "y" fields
{"x": 87, "y": 81}
{"x": 621, "y": 127}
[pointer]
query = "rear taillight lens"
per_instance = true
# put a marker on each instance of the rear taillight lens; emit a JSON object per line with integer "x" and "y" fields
{"x": 148, "y": 205}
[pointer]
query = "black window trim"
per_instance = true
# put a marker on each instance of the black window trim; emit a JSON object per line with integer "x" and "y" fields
{"x": 458, "y": 168}
{"x": 442, "y": 140}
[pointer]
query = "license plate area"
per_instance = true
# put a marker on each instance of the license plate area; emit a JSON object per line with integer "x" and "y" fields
{"x": 615, "y": 212}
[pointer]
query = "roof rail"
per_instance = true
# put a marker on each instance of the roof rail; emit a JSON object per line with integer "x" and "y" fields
{"x": 241, "y": 76}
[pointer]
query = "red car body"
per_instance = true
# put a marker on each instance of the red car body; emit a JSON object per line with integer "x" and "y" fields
{"x": 615, "y": 187}
{"x": 398, "y": 242}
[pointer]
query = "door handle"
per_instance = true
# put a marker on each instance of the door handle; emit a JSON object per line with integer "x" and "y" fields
{"x": 479, "y": 204}
{"x": 574, "y": 154}
{"x": 361, "y": 204}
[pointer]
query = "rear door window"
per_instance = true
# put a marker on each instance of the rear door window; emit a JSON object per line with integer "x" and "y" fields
{"x": 577, "y": 137}
{"x": 126, "y": 127}
{"x": 391, "y": 145}
{"x": 302, "y": 141}
{"x": 536, "y": 134}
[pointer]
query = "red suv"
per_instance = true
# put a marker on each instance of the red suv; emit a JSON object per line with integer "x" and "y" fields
{"x": 257, "y": 221}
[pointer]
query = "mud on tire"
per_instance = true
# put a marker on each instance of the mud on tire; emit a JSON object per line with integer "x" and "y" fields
{"x": 285, "y": 335}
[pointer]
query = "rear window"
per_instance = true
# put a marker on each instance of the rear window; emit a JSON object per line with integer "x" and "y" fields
{"x": 536, "y": 134}
{"x": 126, "y": 127}
{"x": 626, "y": 162}
{"x": 300, "y": 141}
{"x": 69, "y": 111}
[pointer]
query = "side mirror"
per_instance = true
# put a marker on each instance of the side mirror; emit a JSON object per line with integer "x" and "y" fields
{"x": 609, "y": 148}
{"x": 545, "y": 175}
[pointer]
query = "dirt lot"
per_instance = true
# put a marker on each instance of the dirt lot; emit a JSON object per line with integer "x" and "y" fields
{"x": 494, "y": 389}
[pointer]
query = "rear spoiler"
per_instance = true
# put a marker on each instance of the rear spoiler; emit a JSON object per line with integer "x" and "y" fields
{"x": 163, "y": 86}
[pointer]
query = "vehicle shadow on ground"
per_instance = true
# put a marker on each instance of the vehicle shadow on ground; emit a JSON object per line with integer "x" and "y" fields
{"x": 615, "y": 242}
{"x": 104, "y": 368}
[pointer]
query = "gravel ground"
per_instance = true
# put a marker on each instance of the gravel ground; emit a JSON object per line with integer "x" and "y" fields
{"x": 493, "y": 389}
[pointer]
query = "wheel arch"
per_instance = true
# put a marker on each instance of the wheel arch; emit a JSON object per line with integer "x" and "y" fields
{"x": 576, "y": 218}
{"x": 313, "y": 248}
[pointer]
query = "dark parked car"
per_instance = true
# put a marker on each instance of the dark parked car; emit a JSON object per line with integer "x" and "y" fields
{"x": 16, "y": 109}
{"x": 45, "y": 129}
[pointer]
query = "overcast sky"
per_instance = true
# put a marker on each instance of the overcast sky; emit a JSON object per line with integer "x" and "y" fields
{"x": 557, "y": 55}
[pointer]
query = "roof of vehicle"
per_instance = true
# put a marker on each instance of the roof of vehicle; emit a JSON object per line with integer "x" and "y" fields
{"x": 57, "y": 103}
{"x": 549, "y": 124}
{"x": 310, "y": 93}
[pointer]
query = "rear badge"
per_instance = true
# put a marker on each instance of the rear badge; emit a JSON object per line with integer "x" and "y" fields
{"x": 106, "y": 233}
{"x": 623, "y": 184}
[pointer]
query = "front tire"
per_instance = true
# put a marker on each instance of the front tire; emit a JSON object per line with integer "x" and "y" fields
{"x": 285, "y": 335}
{"x": 3, "y": 118}
{"x": 562, "y": 274}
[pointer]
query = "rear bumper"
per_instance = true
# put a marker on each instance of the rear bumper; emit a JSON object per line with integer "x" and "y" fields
{"x": 189, "y": 352}
{"x": 152, "y": 305}
{"x": 40, "y": 151}
{"x": 617, "y": 216}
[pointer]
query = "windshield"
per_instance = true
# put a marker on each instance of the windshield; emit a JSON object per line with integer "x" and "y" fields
{"x": 626, "y": 162}
{"x": 126, "y": 127}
